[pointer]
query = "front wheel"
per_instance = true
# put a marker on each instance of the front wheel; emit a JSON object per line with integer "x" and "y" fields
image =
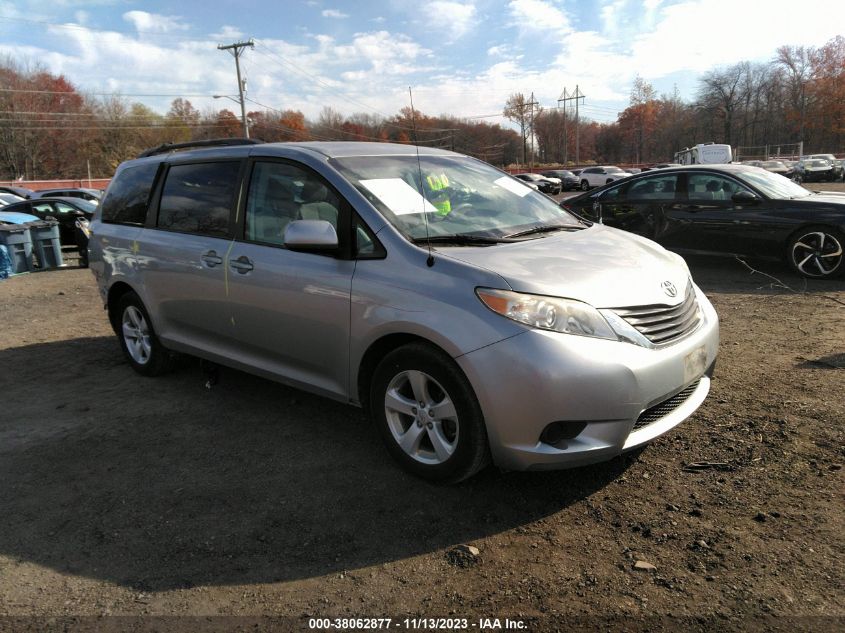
{"x": 796, "y": 178}
{"x": 584, "y": 185}
{"x": 138, "y": 340}
{"x": 817, "y": 252}
{"x": 428, "y": 415}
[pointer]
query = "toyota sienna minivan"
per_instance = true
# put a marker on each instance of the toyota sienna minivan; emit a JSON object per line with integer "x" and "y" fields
{"x": 473, "y": 318}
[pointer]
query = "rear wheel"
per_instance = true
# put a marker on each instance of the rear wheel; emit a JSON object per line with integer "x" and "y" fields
{"x": 797, "y": 178}
{"x": 817, "y": 252}
{"x": 138, "y": 340}
{"x": 428, "y": 415}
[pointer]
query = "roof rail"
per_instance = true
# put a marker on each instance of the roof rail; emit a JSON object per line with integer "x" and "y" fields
{"x": 215, "y": 142}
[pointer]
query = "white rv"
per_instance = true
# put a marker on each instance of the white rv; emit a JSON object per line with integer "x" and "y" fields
{"x": 705, "y": 154}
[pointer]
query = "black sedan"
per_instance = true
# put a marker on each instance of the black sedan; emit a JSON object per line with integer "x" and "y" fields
{"x": 733, "y": 209}
{"x": 543, "y": 184}
{"x": 23, "y": 192}
{"x": 568, "y": 180}
{"x": 93, "y": 195}
{"x": 65, "y": 210}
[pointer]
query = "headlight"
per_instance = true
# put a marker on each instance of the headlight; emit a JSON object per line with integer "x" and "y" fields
{"x": 548, "y": 313}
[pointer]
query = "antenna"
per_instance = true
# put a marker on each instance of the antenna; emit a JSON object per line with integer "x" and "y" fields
{"x": 430, "y": 261}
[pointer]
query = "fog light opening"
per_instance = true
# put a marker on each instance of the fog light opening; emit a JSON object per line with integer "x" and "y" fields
{"x": 556, "y": 433}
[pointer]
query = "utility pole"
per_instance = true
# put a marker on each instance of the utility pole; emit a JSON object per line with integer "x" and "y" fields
{"x": 564, "y": 97}
{"x": 577, "y": 96}
{"x": 236, "y": 49}
{"x": 532, "y": 103}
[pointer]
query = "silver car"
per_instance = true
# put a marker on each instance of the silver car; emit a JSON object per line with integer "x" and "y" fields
{"x": 473, "y": 318}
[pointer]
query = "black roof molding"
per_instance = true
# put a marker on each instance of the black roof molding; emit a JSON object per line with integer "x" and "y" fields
{"x": 215, "y": 142}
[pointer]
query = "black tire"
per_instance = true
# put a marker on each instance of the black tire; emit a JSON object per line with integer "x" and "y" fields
{"x": 816, "y": 252}
{"x": 796, "y": 178}
{"x": 443, "y": 381}
{"x": 142, "y": 349}
{"x": 584, "y": 185}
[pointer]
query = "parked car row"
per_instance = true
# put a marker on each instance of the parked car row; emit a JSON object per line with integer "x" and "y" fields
{"x": 93, "y": 195}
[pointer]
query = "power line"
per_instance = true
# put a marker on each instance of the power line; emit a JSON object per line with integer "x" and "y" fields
{"x": 74, "y": 93}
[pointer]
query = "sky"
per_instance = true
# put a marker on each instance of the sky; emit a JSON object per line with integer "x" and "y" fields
{"x": 459, "y": 57}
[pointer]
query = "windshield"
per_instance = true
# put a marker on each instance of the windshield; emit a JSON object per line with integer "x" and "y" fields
{"x": 817, "y": 163}
{"x": 457, "y": 196}
{"x": 773, "y": 164}
{"x": 773, "y": 185}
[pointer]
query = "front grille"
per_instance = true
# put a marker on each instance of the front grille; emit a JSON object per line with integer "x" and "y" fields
{"x": 663, "y": 324}
{"x": 664, "y": 408}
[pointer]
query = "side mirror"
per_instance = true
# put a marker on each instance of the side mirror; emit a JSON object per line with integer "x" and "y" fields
{"x": 745, "y": 197}
{"x": 597, "y": 211}
{"x": 310, "y": 235}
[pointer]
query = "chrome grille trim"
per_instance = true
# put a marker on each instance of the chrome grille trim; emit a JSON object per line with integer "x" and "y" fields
{"x": 664, "y": 324}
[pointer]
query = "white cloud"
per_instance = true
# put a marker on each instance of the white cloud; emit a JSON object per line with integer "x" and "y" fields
{"x": 611, "y": 15}
{"x": 227, "y": 32}
{"x": 539, "y": 15}
{"x": 153, "y": 22}
{"x": 334, "y": 13}
{"x": 385, "y": 52}
{"x": 457, "y": 18}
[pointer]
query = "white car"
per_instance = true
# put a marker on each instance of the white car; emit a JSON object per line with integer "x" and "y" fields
{"x": 598, "y": 176}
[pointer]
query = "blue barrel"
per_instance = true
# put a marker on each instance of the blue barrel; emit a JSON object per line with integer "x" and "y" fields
{"x": 15, "y": 237}
{"x": 46, "y": 244}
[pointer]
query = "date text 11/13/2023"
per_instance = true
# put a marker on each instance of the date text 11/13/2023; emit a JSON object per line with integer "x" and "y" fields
{"x": 432, "y": 624}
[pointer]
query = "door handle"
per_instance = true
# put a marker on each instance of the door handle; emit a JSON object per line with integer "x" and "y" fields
{"x": 211, "y": 259}
{"x": 241, "y": 264}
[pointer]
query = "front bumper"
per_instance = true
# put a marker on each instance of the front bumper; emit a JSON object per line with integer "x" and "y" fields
{"x": 536, "y": 378}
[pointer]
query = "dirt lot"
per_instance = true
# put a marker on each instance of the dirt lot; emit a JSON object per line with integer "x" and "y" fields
{"x": 129, "y": 496}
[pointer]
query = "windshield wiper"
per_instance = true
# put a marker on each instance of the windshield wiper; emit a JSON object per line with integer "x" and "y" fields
{"x": 544, "y": 229}
{"x": 461, "y": 239}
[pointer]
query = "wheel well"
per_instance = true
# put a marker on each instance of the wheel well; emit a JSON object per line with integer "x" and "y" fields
{"x": 115, "y": 293}
{"x": 378, "y": 350}
{"x": 805, "y": 227}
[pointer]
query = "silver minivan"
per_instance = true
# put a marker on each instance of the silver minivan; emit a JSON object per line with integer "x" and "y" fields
{"x": 472, "y": 317}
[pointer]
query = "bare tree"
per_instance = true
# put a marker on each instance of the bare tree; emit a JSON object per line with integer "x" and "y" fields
{"x": 722, "y": 94}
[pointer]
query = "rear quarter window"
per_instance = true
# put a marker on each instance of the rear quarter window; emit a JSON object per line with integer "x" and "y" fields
{"x": 198, "y": 198}
{"x": 128, "y": 195}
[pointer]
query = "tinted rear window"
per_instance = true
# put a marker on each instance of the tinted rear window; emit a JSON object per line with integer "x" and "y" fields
{"x": 198, "y": 198}
{"x": 129, "y": 195}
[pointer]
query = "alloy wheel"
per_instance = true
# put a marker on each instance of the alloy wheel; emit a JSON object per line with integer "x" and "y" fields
{"x": 421, "y": 417}
{"x": 136, "y": 335}
{"x": 817, "y": 254}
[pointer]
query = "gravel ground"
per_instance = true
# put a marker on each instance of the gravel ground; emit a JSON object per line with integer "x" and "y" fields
{"x": 159, "y": 497}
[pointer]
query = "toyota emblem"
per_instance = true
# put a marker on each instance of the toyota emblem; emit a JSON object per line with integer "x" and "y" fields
{"x": 669, "y": 288}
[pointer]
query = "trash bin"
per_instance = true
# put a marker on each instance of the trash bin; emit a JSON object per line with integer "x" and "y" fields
{"x": 5, "y": 263}
{"x": 15, "y": 237}
{"x": 46, "y": 244}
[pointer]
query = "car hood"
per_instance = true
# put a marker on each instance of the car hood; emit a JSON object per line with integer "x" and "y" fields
{"x": 602, "y": 266}
{"x": 826, "y": 197}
